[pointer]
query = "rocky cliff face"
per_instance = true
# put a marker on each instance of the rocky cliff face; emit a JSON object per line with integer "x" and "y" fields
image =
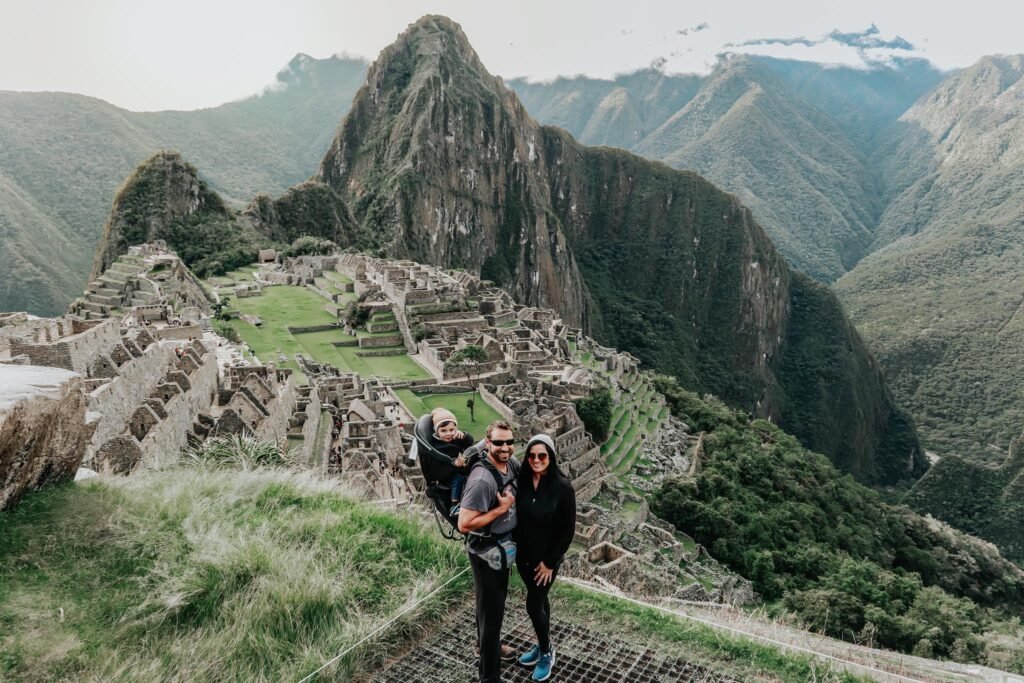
{"x": 441, "y": 163}
{"x": 43, "y": 431}
{"x": 162, "y": 191}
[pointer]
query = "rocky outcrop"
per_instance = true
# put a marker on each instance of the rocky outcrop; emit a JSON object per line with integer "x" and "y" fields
{"x": 310, "y": 209}
{"x": 442, "y": 164}
{"x": 164, "y": 199}
{"x": 43, "y": 428}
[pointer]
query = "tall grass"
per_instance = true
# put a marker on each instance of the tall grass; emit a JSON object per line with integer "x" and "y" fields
{"x": 240, "y": 452}
{"x": 204, "y": 574}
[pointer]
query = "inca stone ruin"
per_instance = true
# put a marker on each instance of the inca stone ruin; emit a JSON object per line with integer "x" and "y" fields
{"x": 139, "y": 373}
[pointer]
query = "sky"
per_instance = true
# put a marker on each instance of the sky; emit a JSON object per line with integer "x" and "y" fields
{"x": 148, "y": 55}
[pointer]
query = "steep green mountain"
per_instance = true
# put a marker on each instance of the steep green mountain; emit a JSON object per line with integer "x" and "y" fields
{"x": 982, "y": 500}
{"x": 792, "y": 165}
{"x": 616, "y": 113}
{"x": 63, "y": 156}
{"x": 442, "y": 163}
{"x": 791, "y": 139}
{"x": 942, "y": 301}
{"x": 164, "y": 199}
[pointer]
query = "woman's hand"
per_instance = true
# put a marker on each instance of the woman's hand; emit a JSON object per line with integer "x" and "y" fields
{"x": 542, "y": 576}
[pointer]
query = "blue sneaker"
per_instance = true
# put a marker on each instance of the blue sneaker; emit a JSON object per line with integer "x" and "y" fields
{"x": 531, "y": 656}
{"x": 545, "y": 663}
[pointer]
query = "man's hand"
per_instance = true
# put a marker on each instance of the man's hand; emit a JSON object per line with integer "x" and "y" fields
{"x": 505, "y": 502}
{"x": 542, "y": 576}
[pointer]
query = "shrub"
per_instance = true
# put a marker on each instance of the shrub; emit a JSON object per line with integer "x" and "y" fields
{"x": 596, "y": 412}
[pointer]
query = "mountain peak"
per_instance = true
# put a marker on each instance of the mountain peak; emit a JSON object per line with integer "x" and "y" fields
{"x": 162, "y": 191}
{"x": 431, "y": 43}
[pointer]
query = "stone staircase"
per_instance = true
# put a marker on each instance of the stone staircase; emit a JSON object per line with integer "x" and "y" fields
{"x": 116, "y": 289}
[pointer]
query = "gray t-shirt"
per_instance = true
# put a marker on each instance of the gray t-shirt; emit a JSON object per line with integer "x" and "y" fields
{"x": 481, "y": 495}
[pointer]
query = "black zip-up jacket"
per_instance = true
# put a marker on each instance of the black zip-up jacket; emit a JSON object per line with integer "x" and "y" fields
{"x": 438, "y": 461}
{"x": 547, "y": 514}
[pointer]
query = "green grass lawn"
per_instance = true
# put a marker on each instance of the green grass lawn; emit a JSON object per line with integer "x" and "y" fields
{"x": 204, "y": 574}
{"x": 419, "y": 405}
{"x": 338, "y": 277}
{"x": 282, "y": 307}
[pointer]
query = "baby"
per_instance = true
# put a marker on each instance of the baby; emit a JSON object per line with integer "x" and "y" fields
{"x": 452, "y": 441}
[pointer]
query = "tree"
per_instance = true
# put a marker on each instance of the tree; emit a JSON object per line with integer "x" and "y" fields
{"x": 220, "y": 308}
{"x": 468, "y": 360}
{"x": 596, "y": 412}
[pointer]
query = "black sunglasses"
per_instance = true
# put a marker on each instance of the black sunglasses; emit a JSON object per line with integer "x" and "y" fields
{"x": 536, "y": 456}
{"x": 503, "y": 442}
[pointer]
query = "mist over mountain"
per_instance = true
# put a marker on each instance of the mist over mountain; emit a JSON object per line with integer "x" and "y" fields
{"x": 63, "y": 156}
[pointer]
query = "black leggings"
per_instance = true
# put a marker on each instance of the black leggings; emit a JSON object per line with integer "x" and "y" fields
{"x": 537, "y": 605}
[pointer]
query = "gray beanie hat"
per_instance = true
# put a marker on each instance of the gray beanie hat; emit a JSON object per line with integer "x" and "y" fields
{"x": 544, "y": 439}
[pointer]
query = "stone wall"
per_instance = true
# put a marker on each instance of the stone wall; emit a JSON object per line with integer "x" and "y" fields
{"x": 43, "y": 428}
{"x": 115, "y": 401}
{"x": 179, "y": 333}
{"x": 310, "y": 428}
{"x": 499, "y": 407}
{"x": 165, "y": 441}
{"x": 274, "y": 426}
{"x": 76, "y": 352}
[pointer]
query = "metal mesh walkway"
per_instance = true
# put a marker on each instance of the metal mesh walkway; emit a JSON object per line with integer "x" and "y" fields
{"x": 582, "y": 656}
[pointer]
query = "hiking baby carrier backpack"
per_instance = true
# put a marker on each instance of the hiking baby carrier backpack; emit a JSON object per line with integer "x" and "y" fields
{"x": 432, "y": 461}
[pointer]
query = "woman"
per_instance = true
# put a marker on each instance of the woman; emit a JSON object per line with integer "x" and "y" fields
{"x": 546, "y": 507}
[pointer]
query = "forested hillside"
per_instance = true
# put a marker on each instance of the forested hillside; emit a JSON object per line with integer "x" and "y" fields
{"x": 63, "y": 156}
{"x": 942, "y": 300}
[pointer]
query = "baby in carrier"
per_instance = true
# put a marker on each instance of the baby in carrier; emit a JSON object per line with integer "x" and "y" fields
{"x": 449, "y": 440}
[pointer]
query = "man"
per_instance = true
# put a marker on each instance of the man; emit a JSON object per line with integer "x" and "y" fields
{"x": 488, "y": 515}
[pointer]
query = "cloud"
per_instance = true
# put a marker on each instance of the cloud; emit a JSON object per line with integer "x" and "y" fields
{"x": 868, "y": 45}
{"x": 702, "y": 26}
{"x": 869, "y": 38}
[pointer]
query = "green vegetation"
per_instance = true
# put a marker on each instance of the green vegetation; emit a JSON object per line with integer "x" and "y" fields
{"x": 421, "y": 404}
{"x": 982, "y": 500}
{"x": 467, "y": 361}
{"x": 282, "y": 307}
{"x": 217, "y": 574}
{"x": 309, "y": 246}
{"x": 65, "y": 156}
{"x": 164, "y": 198}
{"x": 209, "y": 574}
{"x": 801, "y": 531}
{"x": 596, "y": 412}
{"x": 237, "y": 452}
